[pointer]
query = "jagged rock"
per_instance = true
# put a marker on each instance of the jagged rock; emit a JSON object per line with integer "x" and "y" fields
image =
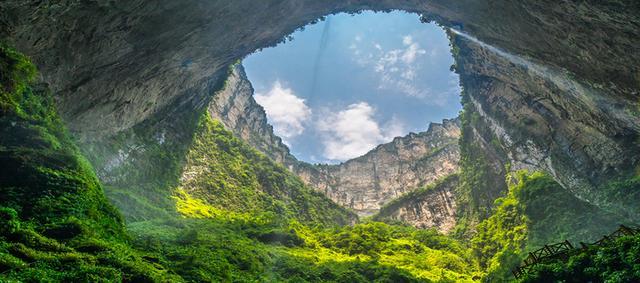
{"x": 390, "y": 170}
{"x": 238, "y": 111}
{"x": 431, "y": 207}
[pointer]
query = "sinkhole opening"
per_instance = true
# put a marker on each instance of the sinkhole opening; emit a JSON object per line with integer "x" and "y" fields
{"x": 338, "y": 88}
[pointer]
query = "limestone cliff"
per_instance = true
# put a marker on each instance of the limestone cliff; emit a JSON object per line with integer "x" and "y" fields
{"x": 433, "y": 206}
{"x": 390, "y": 170}
{"x": 130, "y": 60}
{"x": 238, "y": 111}
{"x": 541, "y": 118}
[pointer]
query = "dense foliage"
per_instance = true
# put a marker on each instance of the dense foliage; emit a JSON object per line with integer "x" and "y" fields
{"x": 223, "y": 172}
{"x": 536, "y": 211}
{"x": 239, "y": 248}
{"x": 56, "y": 224}
{"x": 500, "y": 239}
{"x": 247, "y": 218}
{"x": 617, "y": 261}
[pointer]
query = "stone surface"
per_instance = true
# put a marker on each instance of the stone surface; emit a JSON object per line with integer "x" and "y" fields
{"x": 390, "y": 170}
{"x": 431, "y": 207}
{"x": 238, "y": 111}
{"x": 544, "y": 119}
{"x": 113, "y": 64}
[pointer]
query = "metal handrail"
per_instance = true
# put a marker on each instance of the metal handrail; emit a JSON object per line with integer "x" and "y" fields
{"x": 561, "y": 250}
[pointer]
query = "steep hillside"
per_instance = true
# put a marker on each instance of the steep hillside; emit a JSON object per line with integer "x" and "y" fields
{"x": 549, "y": 86}
{"x": 57, "y": 226}
{"x": 132, "y": 64}
{"x": 223, "y": 172}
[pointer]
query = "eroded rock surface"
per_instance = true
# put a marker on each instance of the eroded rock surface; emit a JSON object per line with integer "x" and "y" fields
{"x": 430, "y": 207}
{"x": 238, "y": 111}
{"x": 114, "y": 64}
{"x": 390, "y": 170}
{"x": 544, "y": 119}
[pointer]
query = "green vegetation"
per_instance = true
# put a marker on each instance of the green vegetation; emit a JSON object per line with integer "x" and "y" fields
{"x": 141, "y": 166}
{"x": 501, "y": 238}
{"x": 536, "y": 211}
{"x": 481, "y": 181}
{"x": 238, "y": 248}
{"x": 556, "y": 215}
{"x": 248, "y": 220}
{"x": 236, "y": 216}
{"x": 616, "y": 261}
{"x": 624, "y": 193}
{"x": 223, "y": 172}
{"x": 56, "y": 223}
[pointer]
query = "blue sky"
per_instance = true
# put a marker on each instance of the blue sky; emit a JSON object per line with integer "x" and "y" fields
{"x": 350, "y": 83}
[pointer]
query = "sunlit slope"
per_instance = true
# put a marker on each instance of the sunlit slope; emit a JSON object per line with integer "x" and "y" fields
{"x": 223, "y": 174}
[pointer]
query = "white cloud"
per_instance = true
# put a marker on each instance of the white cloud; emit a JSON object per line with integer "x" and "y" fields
{"x": 397, "y": 68}
{"x": 412, "y": 51}
{"x": 286, "y": 112}
{"x": 353, "y": 131}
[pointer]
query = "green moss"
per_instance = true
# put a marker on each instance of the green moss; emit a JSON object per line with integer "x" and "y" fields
{"x": 51, "y": 199}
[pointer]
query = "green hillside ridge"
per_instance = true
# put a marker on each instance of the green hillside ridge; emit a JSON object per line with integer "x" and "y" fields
{"x": 224, "y": 174}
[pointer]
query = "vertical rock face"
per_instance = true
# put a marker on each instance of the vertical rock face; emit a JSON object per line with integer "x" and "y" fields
{"x": 363, "y": 184}
{"x": 390, "y": 170}
{"x": 430, "y": 207}
{"x": 235, "y": 107}
{"x": 580, "y": 133}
